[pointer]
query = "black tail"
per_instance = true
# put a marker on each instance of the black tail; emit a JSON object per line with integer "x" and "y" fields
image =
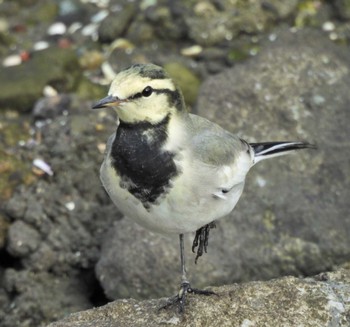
{"x": 267, "y": 150}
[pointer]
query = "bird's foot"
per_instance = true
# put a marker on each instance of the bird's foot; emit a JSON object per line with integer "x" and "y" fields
{"x": 202, "y": 240}
{"x": 180, "y": 298}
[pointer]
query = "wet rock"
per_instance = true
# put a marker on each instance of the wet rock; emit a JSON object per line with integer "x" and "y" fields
{"x": 22, "y": 85}
{"x": 22, "y": 239}
{"x": 287, "y": 301}
{"x": 117, "y": 22}
{"x": 51, "y": 107}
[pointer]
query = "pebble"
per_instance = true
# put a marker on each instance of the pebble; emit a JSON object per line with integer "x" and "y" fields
{"x": 49, "y": 91}
{"x": 74, "y": 27}
{"x": 328, "y": 26}
{"x": 57, "y": 28}
{"x": 192, "y": 51}
{"x": 108, "y": 71}
{"x": 12, "y": 60}
{"x": 40, "y": 45}
{"x": 42, "y": 165}
{"x": 89, "y": 30}
{"x": 99, "y": 17}
{"x": 70, "y": 205}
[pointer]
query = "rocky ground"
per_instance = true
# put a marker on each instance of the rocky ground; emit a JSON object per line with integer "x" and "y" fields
{"x": 266, "y": 69}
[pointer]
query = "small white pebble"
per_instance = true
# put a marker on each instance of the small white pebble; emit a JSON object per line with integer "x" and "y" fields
{"x": 49, "y": 91}
{"x": 12, "y": 60}
{"x": 41, "y": 164}
{"x": 328, "y": 26}
{"x": 40, "y": 45}
{"x": 70, "y": 205}
{"x": 272, "y": 37}
{"x": 100, "y": 16}
{"x": 89, "y": 30}
{"x": 57, "y": 28}
{"x": 101, "y": 147}
{"x": 333, "y": 36}
{"x": 194, "y": 50}
{"x": 74, "y": 27}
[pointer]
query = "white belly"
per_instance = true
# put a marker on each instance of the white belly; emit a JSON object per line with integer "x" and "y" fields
{"x": 183, "y": 209}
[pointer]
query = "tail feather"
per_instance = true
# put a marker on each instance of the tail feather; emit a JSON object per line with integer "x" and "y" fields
{"x": 267, "y": 150}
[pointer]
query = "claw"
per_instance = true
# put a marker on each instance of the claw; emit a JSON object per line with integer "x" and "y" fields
{"x": 180, "y": 298}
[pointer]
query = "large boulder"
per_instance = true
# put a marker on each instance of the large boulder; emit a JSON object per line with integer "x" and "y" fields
{"x": 288, "y": 302}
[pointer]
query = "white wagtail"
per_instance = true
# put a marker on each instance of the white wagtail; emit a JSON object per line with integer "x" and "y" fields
{"x": 171, "y": 171}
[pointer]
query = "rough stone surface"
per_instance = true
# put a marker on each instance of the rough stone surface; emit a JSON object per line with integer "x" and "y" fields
{"x": 22, "y": 239}
{"x": 117, "y": 22}
{"x": 293, "y": 217}
{"x": 55, "y": 224}
{"x": 56, "y": 67}
{"x": 289, "y": 302}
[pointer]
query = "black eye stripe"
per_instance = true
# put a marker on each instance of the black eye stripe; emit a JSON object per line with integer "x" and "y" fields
{"x": 135, "y": 96}
{"x": 157, "y": 91}
{"x": 141, "y": 94}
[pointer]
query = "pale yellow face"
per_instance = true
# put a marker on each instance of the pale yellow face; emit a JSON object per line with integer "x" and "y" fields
{"x": 144, "y": 93}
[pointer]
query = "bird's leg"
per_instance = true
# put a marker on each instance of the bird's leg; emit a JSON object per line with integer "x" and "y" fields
{"x": 180, "y": 298}
{"x": 202, "y": 239}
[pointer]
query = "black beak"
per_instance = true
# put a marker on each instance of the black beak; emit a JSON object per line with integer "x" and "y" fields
{"x": 108, "y": 101}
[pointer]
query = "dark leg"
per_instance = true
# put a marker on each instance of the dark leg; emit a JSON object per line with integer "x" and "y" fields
{"x": 180, "y": 298}
{"x": 202, "y": 240}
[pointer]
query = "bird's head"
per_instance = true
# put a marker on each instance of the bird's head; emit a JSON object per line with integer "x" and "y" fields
{"x": 143, "y": 93}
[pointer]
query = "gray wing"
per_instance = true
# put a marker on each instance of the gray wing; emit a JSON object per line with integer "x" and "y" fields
{"x": 213, "y": 145}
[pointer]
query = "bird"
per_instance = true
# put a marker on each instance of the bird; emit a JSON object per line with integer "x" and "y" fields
{"x": 171, "y": 171}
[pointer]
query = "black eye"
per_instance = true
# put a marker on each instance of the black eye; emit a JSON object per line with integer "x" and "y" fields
{"x": 147, "y": 91}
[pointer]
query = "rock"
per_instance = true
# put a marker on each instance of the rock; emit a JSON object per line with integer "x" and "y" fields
{"x": 282, "y": 224}
{"x": 57, "y": 222}
{"x": 292, "y": 218}
{"x": 4, "y": 226}
{"x": 50, "y": 107}
{"x": 211, "y": 23}
{"x": 342, "y": 8}
{"x": 289, "y": 301}
{"x": 139, "y": 264}
{"x": 22, "y": 85}
{"x": 186, "y": 79}
{"x": 22, "y": 239}
{"x": 114, "y": 25}
{"x": 42, "y": 297}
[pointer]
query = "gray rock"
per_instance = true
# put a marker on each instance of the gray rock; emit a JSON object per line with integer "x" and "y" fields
{"x": 50, "y": 107}
{"x": 288, "y": 302}
{"x": 294, "y": 214}
{"x": 22, "y": 239}
{"x": 139, "y": 264}
{"x": 114, "y": 25}
{"x": 57, "y": 222}
{"x": 342, "y": 8}
{"x": 41, "y": 296}
{"x": 22, "y": 85}
{"x": 293, "y": 217}
{"x": 210, "y": 22}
